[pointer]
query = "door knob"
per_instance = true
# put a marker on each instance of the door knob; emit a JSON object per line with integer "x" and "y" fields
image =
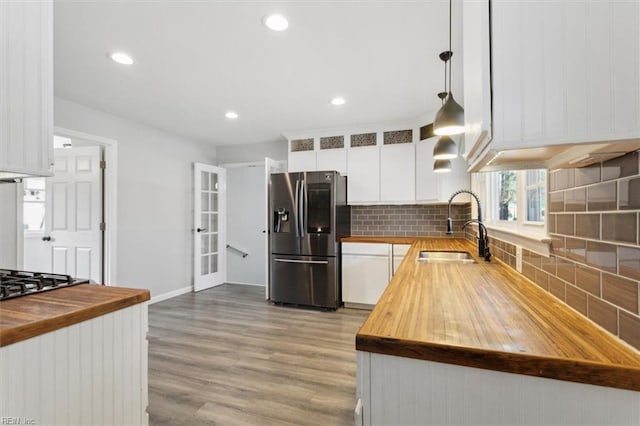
{"x": 201, "y": 229}
{"x": 46, "y": 238}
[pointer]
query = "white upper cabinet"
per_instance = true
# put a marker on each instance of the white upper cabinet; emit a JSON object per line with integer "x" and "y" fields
{"x": 561, "y": 73}
{"x": 477, "y": 78}
{"x": 302, "y": 161}
{"x": 26, "y": 88}
{"x": 397, "y": 173}
{"x": 438, "y": 187}
{"x": 363, "y": 175}
{"x": 332, "y": 159}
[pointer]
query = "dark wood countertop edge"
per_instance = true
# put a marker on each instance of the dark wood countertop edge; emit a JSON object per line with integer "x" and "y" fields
{"x": 37, "y": 328}
{"x": 614, "y": 376}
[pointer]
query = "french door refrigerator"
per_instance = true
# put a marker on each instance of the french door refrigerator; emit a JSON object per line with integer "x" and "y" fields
{"x": 309, "y": 215}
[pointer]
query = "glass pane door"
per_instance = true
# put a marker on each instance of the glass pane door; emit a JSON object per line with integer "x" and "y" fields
{"x": 209, "y": 236}
{"x": 209, "y": 194}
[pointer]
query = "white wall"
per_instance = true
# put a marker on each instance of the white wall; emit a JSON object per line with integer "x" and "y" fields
{"x": 8, "y": 224}
{"x": 247, "y": 153}
{"x": 155, "y": 219}
{"x": 246, "y": 204}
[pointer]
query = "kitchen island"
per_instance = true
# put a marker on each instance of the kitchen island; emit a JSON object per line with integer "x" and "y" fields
{"x": 465, "y": 344}
{"x": 75, "y": 355}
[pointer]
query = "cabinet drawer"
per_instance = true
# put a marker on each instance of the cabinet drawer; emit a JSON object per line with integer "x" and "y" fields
{"x": 381, "y": 249}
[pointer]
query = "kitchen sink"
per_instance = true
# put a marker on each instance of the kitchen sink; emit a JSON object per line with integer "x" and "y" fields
{"x": 445, "y": 257}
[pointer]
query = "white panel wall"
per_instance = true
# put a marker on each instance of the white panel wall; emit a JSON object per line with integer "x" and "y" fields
{"x": 8, "y": 226}
{"x": 155, "y": 221}
{"x": 93, "y": 372}
{"x": 406, "y": 391}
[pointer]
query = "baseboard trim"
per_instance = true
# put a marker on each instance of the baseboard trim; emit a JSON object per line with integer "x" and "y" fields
{"x": 241, "y": 283}
{"x": 169, "y": 295}
{"x": 365, "y": 306}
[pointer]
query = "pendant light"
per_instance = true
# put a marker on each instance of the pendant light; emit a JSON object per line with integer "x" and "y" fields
{"x": 445, "y": 148}
{"x": 450, "y": 117}
{"x": 442, "y": 166}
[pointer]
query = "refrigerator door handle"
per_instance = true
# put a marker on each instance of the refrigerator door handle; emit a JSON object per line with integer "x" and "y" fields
{"x": 296, "y": 201}
{"x": 303, "y": 207}
{"x": 318, "y": 262}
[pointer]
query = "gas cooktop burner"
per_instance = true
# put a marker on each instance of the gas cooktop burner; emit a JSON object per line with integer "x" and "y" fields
{"x": 22, "y": 283}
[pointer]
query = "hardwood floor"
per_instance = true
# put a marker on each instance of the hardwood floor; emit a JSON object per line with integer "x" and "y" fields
{"x": 225, "y": 356}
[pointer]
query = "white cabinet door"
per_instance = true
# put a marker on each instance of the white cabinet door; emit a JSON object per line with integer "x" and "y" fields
{"x": 26, "y": 72}
{"x": 577, "y": 82}
{"x": 363, "y": 171}
{"x": 364, "y": 278}
{"x": 426, "y": 179}
{"x": 397, "y": 173}
{"x": 438, "y": 187}
{"x": 476, "y": 75}
{"x": 457, "y": 179}
{"x": 332, "y": 159}
{"x": 302, "y": 161}
{"x": 365, "y": 272}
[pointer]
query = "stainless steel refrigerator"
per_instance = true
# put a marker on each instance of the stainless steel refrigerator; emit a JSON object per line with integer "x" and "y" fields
{"x": 309, "y": 215}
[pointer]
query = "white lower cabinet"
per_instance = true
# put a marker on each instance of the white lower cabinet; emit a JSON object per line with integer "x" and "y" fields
{"x": 393, "y": 390}
{"x": 365, "y": 272}
{"x": 367, "y": 269}
{"x": 90, "y": 373}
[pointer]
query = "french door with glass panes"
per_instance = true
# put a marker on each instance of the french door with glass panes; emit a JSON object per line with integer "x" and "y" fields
{"x": 210, "y": 241}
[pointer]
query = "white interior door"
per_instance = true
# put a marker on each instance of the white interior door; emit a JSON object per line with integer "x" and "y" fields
{"x": 210, "y": 240}
{"x": 73, "y": 213}
{"x": 270, "y": 166}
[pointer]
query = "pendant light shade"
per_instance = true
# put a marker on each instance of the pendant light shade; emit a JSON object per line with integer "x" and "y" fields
{"x": 442, "y": 166}
{"x": 449, "y": 118}
{"x": 445, "y": 149}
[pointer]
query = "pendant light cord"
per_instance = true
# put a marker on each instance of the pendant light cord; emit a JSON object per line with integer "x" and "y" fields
{"x": 450, "y": 51}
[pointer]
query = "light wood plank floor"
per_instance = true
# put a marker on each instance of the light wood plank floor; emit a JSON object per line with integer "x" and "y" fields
{"x": 225, "y": 356}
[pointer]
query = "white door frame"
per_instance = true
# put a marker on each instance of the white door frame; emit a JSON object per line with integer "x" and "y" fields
{"x": 110, "y": 201}
{"x": 216, "y": 278}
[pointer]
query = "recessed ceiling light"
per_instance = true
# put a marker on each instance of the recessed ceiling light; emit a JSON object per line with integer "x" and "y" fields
{"x": 338, "y": 101}
{"x": 122, "y": 58}
{"x": 232, "y": 115}
{"x": 276, "y": 22}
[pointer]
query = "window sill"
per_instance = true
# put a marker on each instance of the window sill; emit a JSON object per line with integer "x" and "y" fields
{"x": 538, "y": 242}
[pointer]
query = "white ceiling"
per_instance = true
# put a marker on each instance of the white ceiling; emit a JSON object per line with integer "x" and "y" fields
{"x": 195, "y": 60}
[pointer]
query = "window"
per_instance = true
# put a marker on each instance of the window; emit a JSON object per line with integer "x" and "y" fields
{"x": 536, "y": 195}
{"x": 518, "y": 198}
{"x": 34, "y": 207}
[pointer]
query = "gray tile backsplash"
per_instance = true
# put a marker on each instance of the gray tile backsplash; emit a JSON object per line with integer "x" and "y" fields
{"x": 407, "y": 220}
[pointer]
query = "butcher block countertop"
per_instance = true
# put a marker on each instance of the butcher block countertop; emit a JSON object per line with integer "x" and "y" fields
{"x": 29, "y": 316}
{"x": 486, "y": 315}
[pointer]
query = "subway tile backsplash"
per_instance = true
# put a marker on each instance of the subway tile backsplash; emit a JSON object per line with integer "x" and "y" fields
{"x": 407, "y": 220}
{"x": 594, "y": 225}
{"x": 595, "y": 230}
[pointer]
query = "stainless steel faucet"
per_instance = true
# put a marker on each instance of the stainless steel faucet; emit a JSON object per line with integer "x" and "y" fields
{"x": 483, "y": 237}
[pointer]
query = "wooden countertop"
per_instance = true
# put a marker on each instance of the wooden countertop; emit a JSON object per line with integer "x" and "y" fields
{"x": 29, "y": 316}
{"x": 486, "y": 315}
